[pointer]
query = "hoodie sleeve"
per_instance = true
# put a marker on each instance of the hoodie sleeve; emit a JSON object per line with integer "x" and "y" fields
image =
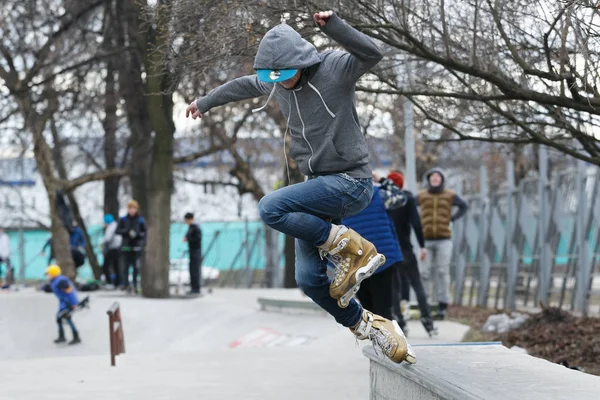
{"x": 243, "y": 88}
{"x": 462, "y": 207}
{"x": 363, "y": 54}
{"x": 393, "y": 197}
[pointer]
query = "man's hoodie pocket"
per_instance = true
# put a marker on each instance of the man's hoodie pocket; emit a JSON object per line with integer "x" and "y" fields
{"x": 327, "y": 158}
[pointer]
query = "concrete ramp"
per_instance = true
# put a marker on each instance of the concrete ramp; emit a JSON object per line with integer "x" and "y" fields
{"x": 471, "y": 371}
{"x": 290, "y": 373}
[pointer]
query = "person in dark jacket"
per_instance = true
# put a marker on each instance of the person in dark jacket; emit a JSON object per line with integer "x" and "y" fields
{"x": 406, "y": 219}
{"x": 193, "y": 237}
{"x": 132, "y": 229}
{"x": 51, "y": 255}
{"x": 437, "y": 203}
{"x": 65, "y": 291}
{"x": 77, "y": 242}
{"x": 374, "y": 224}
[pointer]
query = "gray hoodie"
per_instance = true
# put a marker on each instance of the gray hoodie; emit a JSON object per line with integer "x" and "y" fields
{"x": 320, "y": 112}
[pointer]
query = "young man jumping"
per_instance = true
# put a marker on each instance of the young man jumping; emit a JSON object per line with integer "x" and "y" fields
{"x": 315, "y": 93}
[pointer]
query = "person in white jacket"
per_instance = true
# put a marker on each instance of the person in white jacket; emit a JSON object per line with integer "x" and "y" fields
{"x": 111, "y": 249}
{"x": 5, "y": 258}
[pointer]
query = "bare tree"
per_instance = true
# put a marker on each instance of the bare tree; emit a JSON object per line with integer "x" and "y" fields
{"x": 509, "y": 72}
{"x": 40, "y": 49}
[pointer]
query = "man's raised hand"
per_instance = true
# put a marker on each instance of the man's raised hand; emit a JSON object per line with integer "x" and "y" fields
{"x": 192, "y": 110}
{"x": 322, "y": 17}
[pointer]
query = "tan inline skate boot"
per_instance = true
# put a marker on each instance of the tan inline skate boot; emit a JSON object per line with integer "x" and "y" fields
{"x": 355, "y": 259}
{"x": 385, "y": 335}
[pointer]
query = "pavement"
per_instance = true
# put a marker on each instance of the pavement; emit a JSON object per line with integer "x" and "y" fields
{"x": 219, "y": 346}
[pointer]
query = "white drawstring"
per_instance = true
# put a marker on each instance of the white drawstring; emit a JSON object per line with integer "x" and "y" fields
{"x": 285, "y": 156}
{"x": 321, "y": 97}
{"x": 268, "y": 99}
{"x": 312, "y": 152}
{"x": 287, "y": 123}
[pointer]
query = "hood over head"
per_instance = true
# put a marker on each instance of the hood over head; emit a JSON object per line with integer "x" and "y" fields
{"x": 282, "y": 48}
{"x": 443, "y": 175}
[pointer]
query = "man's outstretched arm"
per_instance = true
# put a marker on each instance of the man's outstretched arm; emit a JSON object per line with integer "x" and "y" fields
{"x": 243, "y": 88}
{"x": 363, "y": 54}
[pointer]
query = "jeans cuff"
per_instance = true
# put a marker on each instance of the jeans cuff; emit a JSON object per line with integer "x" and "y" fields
{"x": 324, "y": 238}
{"x": 358, "y": 317}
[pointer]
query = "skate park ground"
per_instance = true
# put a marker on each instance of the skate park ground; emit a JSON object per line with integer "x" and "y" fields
{"x": 219, "y": 346}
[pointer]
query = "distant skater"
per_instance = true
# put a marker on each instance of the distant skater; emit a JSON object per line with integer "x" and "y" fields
{"x": 65, "y": 291}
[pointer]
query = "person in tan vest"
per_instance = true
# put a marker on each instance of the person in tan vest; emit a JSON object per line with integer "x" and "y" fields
{"x": 436, "y": 203}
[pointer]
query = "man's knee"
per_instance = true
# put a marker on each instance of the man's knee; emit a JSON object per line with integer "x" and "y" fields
{"x": 269, "y": 208}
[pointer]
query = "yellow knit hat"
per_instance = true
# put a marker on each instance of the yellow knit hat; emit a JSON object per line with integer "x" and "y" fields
{"x": 53, "y": 271}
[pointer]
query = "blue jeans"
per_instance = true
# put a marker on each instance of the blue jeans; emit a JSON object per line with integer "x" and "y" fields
{"x": 303, "y": 211}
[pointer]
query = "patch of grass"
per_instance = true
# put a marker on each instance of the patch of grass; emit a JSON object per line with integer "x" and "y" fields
{"x": 552, "y": 334}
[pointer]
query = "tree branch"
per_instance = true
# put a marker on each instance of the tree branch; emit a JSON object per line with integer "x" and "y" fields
{"x": 501, "y": 82}
{"x": 10, "y": 75}
{"x": 91, "y": 177}
{"x": 203, "y": 153}
{"x": 196, "y": 182}
{"x": 97, "y": 57}
{"x": 426, "y": 93}
{"x": 547, "y": 36}
{"x": 43, "y": 53}
{"x": 494, "y": 10}
{"x": 89, "y": 156}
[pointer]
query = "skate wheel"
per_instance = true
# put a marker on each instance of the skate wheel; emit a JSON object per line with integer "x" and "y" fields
{"x": 410, "y": 359}
{"x": 345, "y": 299}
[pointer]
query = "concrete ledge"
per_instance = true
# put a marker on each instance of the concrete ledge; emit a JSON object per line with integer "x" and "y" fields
{"x": 266, "y": 303}
{"x": 465, "y": 371}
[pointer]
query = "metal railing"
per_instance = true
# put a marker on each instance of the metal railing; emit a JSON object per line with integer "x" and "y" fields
{"x": 532, "y": 243}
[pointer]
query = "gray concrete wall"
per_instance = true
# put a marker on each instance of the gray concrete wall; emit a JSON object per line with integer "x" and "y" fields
{"x": 468, "y": 371}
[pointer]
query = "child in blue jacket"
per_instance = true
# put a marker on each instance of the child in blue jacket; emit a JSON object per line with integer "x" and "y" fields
{"x": 64, "y": 289}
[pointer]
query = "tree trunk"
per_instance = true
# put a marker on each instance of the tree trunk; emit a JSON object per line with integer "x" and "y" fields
{"x": 57, "y": 156}
{"x": 155, "y": 275}
{"x": 291, "y": 176}
{"x": 89, "y": 248}
{"x": 289, "y": 278}
{"x": 134, "y": 93}
{"x": 36, "y": 124}
{"x": 111, "y": 185}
